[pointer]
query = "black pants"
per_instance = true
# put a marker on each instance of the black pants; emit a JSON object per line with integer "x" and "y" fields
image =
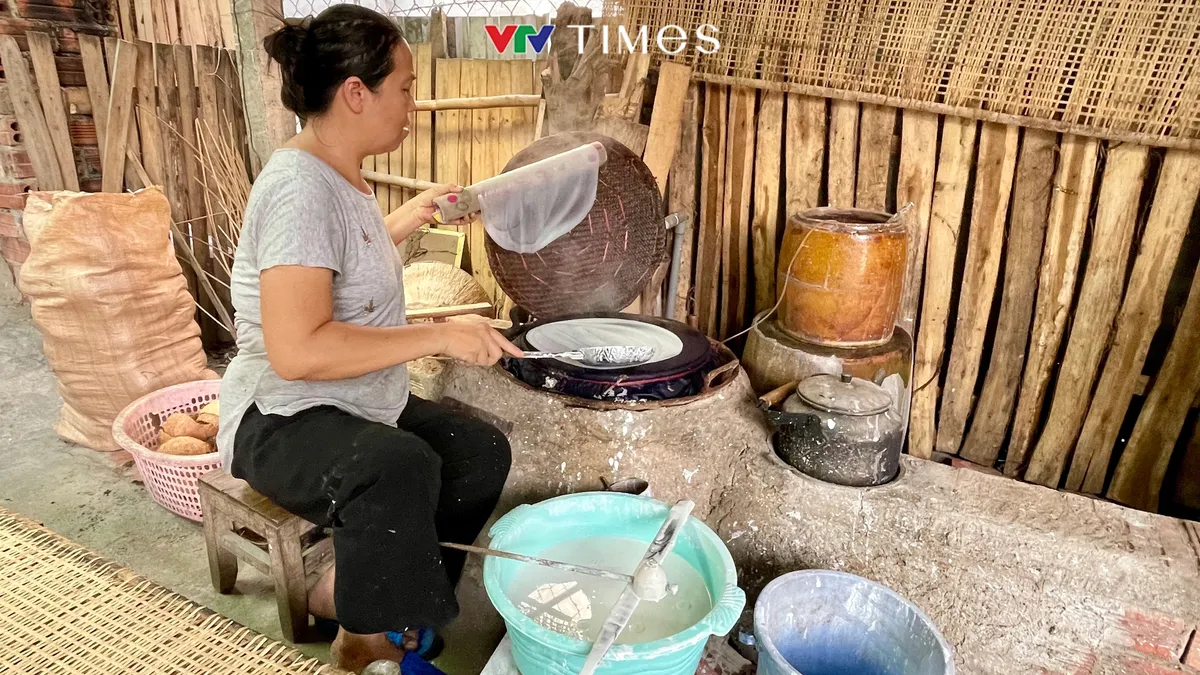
{"x": 390, "y": 496}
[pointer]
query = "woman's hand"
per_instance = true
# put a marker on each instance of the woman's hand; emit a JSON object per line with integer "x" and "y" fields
{"x": 475, "y": 343}
{"x": 420, "y": 210}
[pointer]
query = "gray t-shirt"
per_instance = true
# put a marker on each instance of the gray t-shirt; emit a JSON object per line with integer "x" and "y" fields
{"x": 303, "y": 212}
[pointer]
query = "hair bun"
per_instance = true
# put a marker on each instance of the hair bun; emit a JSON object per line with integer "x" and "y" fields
{"x": 286, "y": 45}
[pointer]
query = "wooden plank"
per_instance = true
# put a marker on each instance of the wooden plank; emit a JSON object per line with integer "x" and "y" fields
{"x": 1138, "y": 479}
{"x": 423, "y": 127}
{"x": 735, "y": 280}
{"x": 1141, "y": 311}
{"x": 133, "y": 170}
{"x": 208, "y": 97}
{"x": 1099, "y": 300}
{"x": 523, "y": 118}
{"x": 474, "y": 83}
{"x": 125, "y": 21}
{"x": 712, "y": 182}
{"x": 1069, "y": 207}
{"x": 500, "y": 119}
{"x": 446, "y": 124}
{"x": 41, "y": 55}
{"x": 91, "y": 49}
{"x": 193, "y": 191}
{"x": 949, "y": 198}
{"x": 120, "y": 111}
{"x": 29, "y": 114}
{"x": 1026, "y": 234}
{"x": 210, "y": 20}
{"x": 169, "y": 123}
{"x": 166, "y": 21}
{"x": 843, "y": 152}
{"x": 682, "y": 197}
{"x": 875, "y": 156}
{"x": 228, "y": 31}
{"x": 767, "y": 179}
{"x": 1187, "y": 482}
{"x": 191, "y": 22}
{"x": 143, "y": 16}
{"x": 914, "y": 185}
{"x": 148, "y": 129}
{"x": 805, "y": 152}
{"x": 997, "y": 160}
{"x": 666, "y": 119}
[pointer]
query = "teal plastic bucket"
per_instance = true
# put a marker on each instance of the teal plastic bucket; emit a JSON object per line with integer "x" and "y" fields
{"x": 530, "y": 530}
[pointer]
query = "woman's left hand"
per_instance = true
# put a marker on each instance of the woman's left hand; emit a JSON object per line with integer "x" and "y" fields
{"x": 420, "y": 210}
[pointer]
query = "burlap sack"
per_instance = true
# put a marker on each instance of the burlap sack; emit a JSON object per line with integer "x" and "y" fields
{"x": 110, "y": 300}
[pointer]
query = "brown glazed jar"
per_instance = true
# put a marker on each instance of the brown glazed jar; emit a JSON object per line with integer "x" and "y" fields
{"x": 843, "y": 289}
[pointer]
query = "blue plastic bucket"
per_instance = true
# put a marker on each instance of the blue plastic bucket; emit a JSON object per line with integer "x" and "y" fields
{"x": 818, "y": 622}
{"x": 530, "y": 530}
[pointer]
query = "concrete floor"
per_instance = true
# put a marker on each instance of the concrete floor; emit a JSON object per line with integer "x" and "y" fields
{"x": 84, "y": 496}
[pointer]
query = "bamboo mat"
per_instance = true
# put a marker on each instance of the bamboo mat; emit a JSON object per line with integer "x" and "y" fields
{"x": 65, "y": 609}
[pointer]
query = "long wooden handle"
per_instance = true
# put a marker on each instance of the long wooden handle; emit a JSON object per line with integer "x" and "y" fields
{"x": 775, "y": 396}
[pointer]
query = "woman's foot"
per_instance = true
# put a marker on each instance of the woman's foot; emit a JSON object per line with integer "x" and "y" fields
{"x": 354, "y": 652}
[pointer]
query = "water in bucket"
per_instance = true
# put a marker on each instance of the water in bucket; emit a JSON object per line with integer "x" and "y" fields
{"x": 576, "y": 604}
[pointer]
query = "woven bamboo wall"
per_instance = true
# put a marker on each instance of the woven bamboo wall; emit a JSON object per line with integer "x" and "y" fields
{"x": 1052, "y": 287}
{"x": 1122, "y": 69}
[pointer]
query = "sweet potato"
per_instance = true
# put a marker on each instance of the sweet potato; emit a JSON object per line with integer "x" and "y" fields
{"x": 186, "y": 445}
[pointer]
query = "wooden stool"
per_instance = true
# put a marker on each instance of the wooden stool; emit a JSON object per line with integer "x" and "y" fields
{"x": 296, "y": 550}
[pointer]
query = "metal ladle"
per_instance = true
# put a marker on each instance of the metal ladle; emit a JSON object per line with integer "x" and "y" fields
{"x": 601, "y": 356}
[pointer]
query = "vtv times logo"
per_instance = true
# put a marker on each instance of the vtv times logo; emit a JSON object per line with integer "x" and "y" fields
{"x": 519, "y": 38}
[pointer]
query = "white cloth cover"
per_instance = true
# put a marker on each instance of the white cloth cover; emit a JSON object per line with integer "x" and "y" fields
{"x": 525, "y": 209}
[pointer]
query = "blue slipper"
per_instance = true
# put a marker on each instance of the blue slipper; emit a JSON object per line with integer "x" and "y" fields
{"x": 414, "y": 664}
{"x": 429, "y": 643}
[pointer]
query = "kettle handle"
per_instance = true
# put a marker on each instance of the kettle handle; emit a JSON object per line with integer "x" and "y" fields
{"x": 775, "y": 396}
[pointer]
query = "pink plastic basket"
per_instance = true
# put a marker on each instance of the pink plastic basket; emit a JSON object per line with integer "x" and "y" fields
{"x": 171, "y": 479}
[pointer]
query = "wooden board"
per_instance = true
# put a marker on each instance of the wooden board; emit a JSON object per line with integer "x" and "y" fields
{"x": 1099, "y": 299}
{"x": 767, "y": 165}
{"x": 191, "y": 22}
{"x": 120, "y": 111}
{"x": 805, "y": 155}
{"x": 143, "y": 16}
{"x": 739, "y": 155}
{"x": 1069, "y": 207}
{"x": 210, "y": 18}
{"x": 148, "y": 128}
{"x": 125, "y": 22}
{"x": 41, "y": 55}
{"x": 1138, "y": 480}
{"x": 422, "y": 131}
{"x": 1141, "y": 311}
{"x": 133, "y": 168}
{"x": 446, "y": 124}
{"x": 877, "y": 133}
{"x": 191, "y": 185}
{"x": 914, "y": 184}
{"x": 169, "y": 124}
{"x": 666, "y": 119}
{"x": 843, "y": 152}
{"x": 91, "y": 49}
{"x": 682, "y": 198}
{"x": 28, "y": 109}
{"x": 997, "y": 160}
{"x": 949, "y": 197}
{"x": 475, "y": 146}
{"x": 499, "y": 119}
{"x": 1026, "y": 234}
{"x": 166, "y": 21}
{"x": 712, "y": 181}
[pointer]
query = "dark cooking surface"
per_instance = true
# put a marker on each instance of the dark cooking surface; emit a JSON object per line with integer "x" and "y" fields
{"x": 682, "y": 375}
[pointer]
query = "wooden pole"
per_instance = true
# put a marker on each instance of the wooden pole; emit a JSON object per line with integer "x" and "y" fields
{"x": 481, "y": 102}
{"x": 397, "y": 181}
